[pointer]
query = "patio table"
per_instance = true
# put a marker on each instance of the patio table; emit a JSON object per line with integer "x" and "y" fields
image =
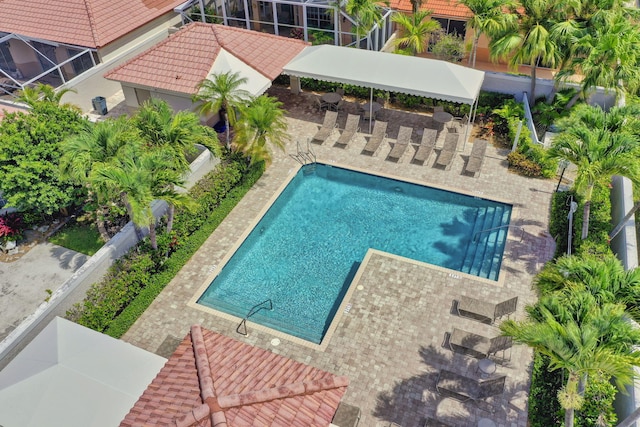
{"x": 442, "y": 118}
{"x": 331, "y": 97}
{"x": 372, "y": 107}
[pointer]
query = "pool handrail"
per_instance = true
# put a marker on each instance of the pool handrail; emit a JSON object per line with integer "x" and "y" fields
{"x": 257, "y": 308}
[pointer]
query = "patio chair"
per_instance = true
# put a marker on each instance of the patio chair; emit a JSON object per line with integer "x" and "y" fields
{"x": 402, "y": 142}
{"x": 320, "y": 104}
{"x": 426, "y": 146}
{"x": 476, "y": 345}
{"x": 459, "y": 387}
{"x": 484, "y": 311}
{"x": 338, "y": 106}
{"x": 350, "y": 130}
{"x": 340, "y": 91}
{"x": 377, "y": 136}
{"x": 445, "y": 158}
{"x": 437, "y": 108}
{"x": 328, "y": 125}
{"x": 476, "y": 159}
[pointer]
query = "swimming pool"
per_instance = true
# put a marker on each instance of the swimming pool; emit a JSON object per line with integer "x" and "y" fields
{"x": 304, "y": 252}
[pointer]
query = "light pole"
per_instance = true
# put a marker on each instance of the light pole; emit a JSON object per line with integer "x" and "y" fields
{"x": 564, "y": 164}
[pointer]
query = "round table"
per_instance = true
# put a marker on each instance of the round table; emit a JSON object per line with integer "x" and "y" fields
{"x": 486, "y": 422}
{"x": 442, "y": 117}
{"x": 372, "y": 106}
{"x": 486, "y": 367}
{"x": 331, "y": 97}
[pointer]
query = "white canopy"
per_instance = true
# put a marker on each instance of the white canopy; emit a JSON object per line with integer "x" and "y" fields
{"x": 390, "y": 72}
{"x": 72, "y": 376}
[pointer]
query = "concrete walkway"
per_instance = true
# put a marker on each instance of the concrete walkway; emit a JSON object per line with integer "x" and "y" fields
{"x": 24, "y": 283}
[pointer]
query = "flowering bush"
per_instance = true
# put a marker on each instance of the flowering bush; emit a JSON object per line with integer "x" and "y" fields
{"x": 10, "y": 227}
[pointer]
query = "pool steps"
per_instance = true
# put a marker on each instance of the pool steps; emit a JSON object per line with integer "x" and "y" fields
{"x": 483, "y": 256}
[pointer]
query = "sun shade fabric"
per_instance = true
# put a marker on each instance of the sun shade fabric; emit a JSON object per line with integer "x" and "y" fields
{"x": 390, "y": 72}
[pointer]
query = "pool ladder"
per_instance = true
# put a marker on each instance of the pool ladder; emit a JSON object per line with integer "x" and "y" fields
{"x": 242, "y": 327}
{"x": 304, "y": 157}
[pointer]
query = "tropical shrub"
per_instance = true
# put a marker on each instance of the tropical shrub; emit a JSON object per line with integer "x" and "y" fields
{"x": 544, "y": 408}
{"x": 521, "y": 164}
{"x": 11, "y": 227}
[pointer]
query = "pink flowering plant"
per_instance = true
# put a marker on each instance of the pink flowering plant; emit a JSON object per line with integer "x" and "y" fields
{"x": 10, "y": 227}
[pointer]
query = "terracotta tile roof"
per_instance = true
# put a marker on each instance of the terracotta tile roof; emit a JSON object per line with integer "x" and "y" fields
{"x": 181, "y": 61}
{"x": 213, "y": 380}
{"x": 89, "y": 23}
{"x": 440, "y": 8}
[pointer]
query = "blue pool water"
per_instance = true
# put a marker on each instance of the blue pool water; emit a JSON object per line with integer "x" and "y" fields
{"x": 303, "y": 253}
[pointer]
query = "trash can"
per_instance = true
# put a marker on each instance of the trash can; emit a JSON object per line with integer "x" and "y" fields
{"x": 100, "y": 104}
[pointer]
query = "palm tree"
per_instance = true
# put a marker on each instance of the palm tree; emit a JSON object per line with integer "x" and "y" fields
{"x": 530, "y": 41}
{"x": 175, "y": 134}
{"x": 137, "y": 178}
{"x": 95, "y": 145}
{"x": 42, "y": 92}
{"x": 262, "y": 123}
{"x": 367, "y": 13}
{"x": 608, "y": 55}
{"x": 582, "y": 337}
{"x": 415, "y": 30}
{"x": 603, "y": 277}
{"x": 223, "y": 94}
{"x": 489, "y": 17}
{"x": 598, "y": 153}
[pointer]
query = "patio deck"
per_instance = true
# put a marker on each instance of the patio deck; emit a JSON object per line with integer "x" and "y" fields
{"x": 390, "y": 341}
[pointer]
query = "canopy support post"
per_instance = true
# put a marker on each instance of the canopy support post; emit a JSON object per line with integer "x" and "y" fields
{"x": 471, "y": 119}
{"x": 370, "y": 110}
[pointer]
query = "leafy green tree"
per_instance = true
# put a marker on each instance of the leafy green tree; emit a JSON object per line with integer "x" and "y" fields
{"x": 366, "y": 13}
{"x": 530, "y": 41}
{"x": 262, "y": 124}
{"x": 415, "y": 30}
{"x": 489, "y": 17}
{"x": 449, "y": 47}
{"x": 582, "y": 337}
{"x": 598, "y": 153}
{"x": 30, "y": 155}
{"x": 222, "y": 95}
{"x": 92, "y": 146}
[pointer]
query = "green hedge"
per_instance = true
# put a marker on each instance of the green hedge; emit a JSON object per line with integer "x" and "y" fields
{"x": 544, "y": 408}
{"x": 134, "y": 281}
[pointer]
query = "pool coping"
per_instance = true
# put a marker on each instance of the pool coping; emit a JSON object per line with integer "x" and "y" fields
{"x": 215, "y": 270}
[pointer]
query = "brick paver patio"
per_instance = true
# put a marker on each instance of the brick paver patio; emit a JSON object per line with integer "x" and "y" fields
{"x": 389, "y": 341}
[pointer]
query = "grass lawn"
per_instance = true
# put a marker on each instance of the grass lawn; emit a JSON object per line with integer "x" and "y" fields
{"x": 83, "y": 238}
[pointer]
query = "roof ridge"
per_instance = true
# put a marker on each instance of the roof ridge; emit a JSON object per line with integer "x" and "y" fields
{"x": 89, "y": 10}
{"x": 281, "y": 392}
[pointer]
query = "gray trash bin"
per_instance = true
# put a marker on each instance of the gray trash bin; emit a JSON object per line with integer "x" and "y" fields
{"x": 100, "y": 104}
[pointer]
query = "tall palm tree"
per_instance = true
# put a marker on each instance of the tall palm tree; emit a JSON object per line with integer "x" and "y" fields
{"x": 174, "y": 133}
{"x": 263, "y": 123}
{"x": 489, "y": 17}
{"x": 223, "y": 94}
{"x": 42, "y": 92}
{"x": 598, "y": 154}
{"x": 415, "y": 30}
{"x": 582, "y": 337}
{"x": 530, "y": 41}
{"x": 366, "y": 13}
{"x": 95, "y": 145}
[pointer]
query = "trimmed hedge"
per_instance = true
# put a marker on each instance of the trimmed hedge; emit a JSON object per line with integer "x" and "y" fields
{"x": 134, "y": 281}
{"x": 544, "y": 408}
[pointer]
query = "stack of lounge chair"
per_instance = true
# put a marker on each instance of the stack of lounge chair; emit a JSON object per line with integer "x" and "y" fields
{"x": 402, "y": 142}
{"x": 476, "y": 345}
{"x": 426, "y": 146}
{"x": 477, "y": 156}
{"x": 350, "y": 130}
{"x": 326, "y": 130}
{"x": 448, "y": 151}
{"x": 484, "y": 311}
{"x": 377, "y": 136}
{"x": 459, "y": 387}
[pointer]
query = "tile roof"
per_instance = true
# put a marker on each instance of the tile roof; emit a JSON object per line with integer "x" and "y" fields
{"x": 89, "y": 23}
{"x": 213, "y": 380}
{"x": 185, "y": 58}
{"x": 440, "y": 8}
